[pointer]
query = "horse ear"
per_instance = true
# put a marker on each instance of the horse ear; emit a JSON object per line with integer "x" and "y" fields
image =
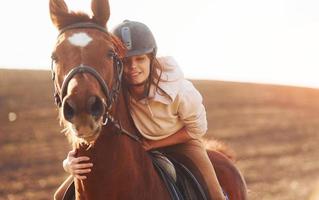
{"x": 101, "y": 11}
{"x": 58, "y": 12}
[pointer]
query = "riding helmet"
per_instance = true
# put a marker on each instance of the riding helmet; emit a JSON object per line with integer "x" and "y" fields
{"x": 137, "y": 38}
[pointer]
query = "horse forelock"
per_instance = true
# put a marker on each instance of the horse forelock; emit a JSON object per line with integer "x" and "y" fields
{"x": 62, "y": 17}
{"x": 72, "y": 18}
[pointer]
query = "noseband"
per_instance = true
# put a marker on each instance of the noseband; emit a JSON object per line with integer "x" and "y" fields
{"x": 112, "y": 94}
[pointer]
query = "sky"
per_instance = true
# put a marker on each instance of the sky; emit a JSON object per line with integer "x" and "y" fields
{"x": 263, "y": 41}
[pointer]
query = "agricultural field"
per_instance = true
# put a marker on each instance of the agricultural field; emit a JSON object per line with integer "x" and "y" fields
{"x": 272, "y": 129}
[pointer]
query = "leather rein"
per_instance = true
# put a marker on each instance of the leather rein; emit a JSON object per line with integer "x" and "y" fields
{"x": 111, "y": 95}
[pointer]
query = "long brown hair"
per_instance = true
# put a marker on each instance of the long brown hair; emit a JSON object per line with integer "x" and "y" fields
{"x": 154, "y": 78}
{"x": 155, "y": 75}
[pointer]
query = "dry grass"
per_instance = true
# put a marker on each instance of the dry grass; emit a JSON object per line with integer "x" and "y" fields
{"x": 272, "y": 129}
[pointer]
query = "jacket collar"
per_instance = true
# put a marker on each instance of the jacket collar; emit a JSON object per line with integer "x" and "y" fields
{"x": 170, "y": 82}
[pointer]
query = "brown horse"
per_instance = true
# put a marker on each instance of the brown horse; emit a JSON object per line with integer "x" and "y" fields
{"x": 87, "y": 73}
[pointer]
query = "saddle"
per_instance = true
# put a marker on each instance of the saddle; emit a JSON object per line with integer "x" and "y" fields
{"x": 180, "y": 182}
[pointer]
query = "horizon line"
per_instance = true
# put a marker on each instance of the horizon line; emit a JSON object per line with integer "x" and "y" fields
{"x": 234, "y": 80}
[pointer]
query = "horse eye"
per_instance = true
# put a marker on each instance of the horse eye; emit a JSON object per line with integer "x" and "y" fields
{"x": 111, "y": 54}
{"x": 54, "y": 57}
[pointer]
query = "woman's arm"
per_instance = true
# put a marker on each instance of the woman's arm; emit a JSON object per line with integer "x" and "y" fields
{"x": 77, "y": 166}
{"x": 180, "y": 136}
{"x": 192, "y": 111}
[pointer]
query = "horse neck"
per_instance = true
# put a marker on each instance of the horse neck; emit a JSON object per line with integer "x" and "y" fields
{"x": 127, "y": 145}
{"x": 120, "y": 163}
{"x": 122, "y": 114}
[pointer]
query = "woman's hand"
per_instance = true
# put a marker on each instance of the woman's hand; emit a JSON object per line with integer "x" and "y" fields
{"x": 77, "y": 166}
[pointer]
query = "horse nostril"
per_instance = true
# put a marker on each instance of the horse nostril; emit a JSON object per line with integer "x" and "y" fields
{"x": 96, "y": 107}
{"x": 68, "y": 111}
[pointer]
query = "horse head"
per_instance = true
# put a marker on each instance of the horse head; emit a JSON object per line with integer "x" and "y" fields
{"x": 86, "y": 68}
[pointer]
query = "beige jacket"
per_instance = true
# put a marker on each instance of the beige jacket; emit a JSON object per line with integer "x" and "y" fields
{"x": 160, "y": 116}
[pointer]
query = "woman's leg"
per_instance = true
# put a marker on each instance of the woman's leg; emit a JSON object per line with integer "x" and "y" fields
{"x": 194, "y": 156}
{"x": 58, "y": 195}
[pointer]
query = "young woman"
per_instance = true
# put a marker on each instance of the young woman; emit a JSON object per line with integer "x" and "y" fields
{"x": 165, "y": 107}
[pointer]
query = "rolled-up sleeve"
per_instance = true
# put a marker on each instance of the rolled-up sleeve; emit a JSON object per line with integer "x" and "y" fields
{"x": 192, "y": 111}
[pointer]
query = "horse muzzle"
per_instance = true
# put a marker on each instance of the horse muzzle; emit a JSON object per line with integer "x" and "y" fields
{"x": 84, "y": 118}
{"x": 94, "y": 107}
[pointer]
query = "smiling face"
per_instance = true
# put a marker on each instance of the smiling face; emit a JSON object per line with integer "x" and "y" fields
{"x": 137, "y": 69}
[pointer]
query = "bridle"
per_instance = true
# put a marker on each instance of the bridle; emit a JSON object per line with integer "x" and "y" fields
{"x": 111, "y": 95}
{"x": 117, "y": 65}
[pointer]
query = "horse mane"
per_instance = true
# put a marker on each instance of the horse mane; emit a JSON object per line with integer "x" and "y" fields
{"x": 119, "y": 46}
